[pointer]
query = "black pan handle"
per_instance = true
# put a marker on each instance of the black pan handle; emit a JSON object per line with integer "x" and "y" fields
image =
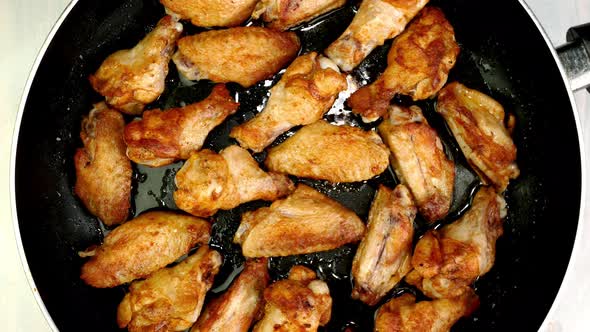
{"x": 575, "y": 56}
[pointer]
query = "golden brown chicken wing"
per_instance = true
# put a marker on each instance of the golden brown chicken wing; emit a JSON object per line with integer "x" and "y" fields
{"x": 236, "y": 309}
{"x": 477, "y": 122}
{"x": 170, "y": 299}
{"x": 142, "y": 246}
{"x": 211, "y": 13}
{"x": 283, "y": 14}
{"x": 446, "y": 262}
{"x": 208, "y": 182}
{"x": 418, "y": 65}
{"x": 375, "y": 22}
{"x": 244, "y": 55}
{"x": 305, "y": 222}
{"x": 328, "y": 152}
{"x": 161, "y": 137}
{"x": 300, "y": 303}
{"x": 103, "y": 172}
{"x": 306, "y": 91}
{"x": 419, "y": 160}
{"x": 403, "y": 314}
{"x": 383, "y": 257}
{"x": 130, "y": 79}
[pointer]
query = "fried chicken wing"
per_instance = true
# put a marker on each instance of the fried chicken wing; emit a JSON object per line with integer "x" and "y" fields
{"x": 419, "y": 161}
{"x": 208, "y": 182}
{"x": 477, "y": 122}
{"x": 383, "y": 256}
{"x": 306, "y": 91}
{"x": 328, "y": 152}
{"x": 300, "y": 303}
{"x": 446, "y": 262}
{"x": 211, "y": 13}
{"x": 236, "y": 309}
{"x": 375, "y": 22}
{"x": 170, "y": 299}
{"x": 161, "y": 137}
{"x": 404, "y": 314}
{"x": 283, "y": 14}
{"x": 418, "y": 65}
{"x": 130, "y": 79}
{"x": 103, "y": 172}
{"x": 142, "y": 246}
{"x": 244, "y": 55}
{"x": 304, "y": 222}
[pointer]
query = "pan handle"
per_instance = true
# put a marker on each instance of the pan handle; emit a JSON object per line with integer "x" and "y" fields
{"x": 575, "y": 56}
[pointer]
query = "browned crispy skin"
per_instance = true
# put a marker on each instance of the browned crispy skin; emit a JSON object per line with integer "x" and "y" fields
{"x": 305, "y": 222}
{"x": 161, "y": 137}
{"x": 283, "y": 14}
{"x": 419, "y": 161}
{"x": 170, "y": 299}
{"x": 211, "y": 13}
{"x": 236, "y": 309}
{"x": 305, "y": 92}
{"x": 477, "y": 122}
{"x": 446, "y": 262}
{"x": 328, "y": 152}
{"x": 130, "y": 79}
{"x": 375, "y": 22}
{"x": 383, "y": 257}
{"x": 142, "y": 246}
{"x": 300, "y": 303}
{"x": 208, "y": 182}
{"x": 403, "y": 314}
{"x": 418, "y": 65}
{"x": 103, "y": 172}
{"x": 244, "y": 55}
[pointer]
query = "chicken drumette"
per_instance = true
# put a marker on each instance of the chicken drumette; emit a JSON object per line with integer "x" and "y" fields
{"x": 447, "y": 261}
{"x": 419, "y": 161}
{"x": 161, "y": 137}
{"x": 418, "y": 64}
{"x": 209, "y": 181}
{"x": 305, "y": 92}
{"x": 170, "y": 299}
{"x": 383, "y": 257}
{"x": 130, "y": 79}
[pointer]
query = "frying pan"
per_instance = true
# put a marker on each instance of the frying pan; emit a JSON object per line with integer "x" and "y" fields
{"x": 504, "y": 53}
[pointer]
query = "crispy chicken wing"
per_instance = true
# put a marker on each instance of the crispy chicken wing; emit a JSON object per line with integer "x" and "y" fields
{"x": 236, "y": 309}
{"x": 446, "y": 262}
{"x": 305, "y": 222}
{"x": 419, "y": 160}
{"x": 208, "y": 182}
{"x": 244, "y": 55}
{"x": 141, "y": 246}
{"x": 477, "y": 122}
{"x": 300, "y": 303}
{"x": 103, "y": 172}
{"x": 328, "y": 152}
{"x": 403, "y": 314}
{"x": 283, "y": 14}
{"x": 305, "y": 92}
{"x": 170, "y": 299}
{"x": 211, "y": 13}
{"x": 130, "y": 79}
{"x": 375, "y": 21}
{"x": 418, "y": 65}
{"x": 383, "y": 257}
{"x": 161, "y": 137}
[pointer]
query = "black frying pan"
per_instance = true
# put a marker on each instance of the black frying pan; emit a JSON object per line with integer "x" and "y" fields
{"x": 503, "y": 54}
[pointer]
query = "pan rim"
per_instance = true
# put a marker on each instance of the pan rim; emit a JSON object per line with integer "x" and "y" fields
{"x": 41, "y": 54}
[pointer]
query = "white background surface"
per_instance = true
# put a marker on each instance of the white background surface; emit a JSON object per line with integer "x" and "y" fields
{"x": 23, "y": 27}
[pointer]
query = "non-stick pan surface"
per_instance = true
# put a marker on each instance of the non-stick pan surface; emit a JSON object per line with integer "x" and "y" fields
{"x": 503, "y": 54}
